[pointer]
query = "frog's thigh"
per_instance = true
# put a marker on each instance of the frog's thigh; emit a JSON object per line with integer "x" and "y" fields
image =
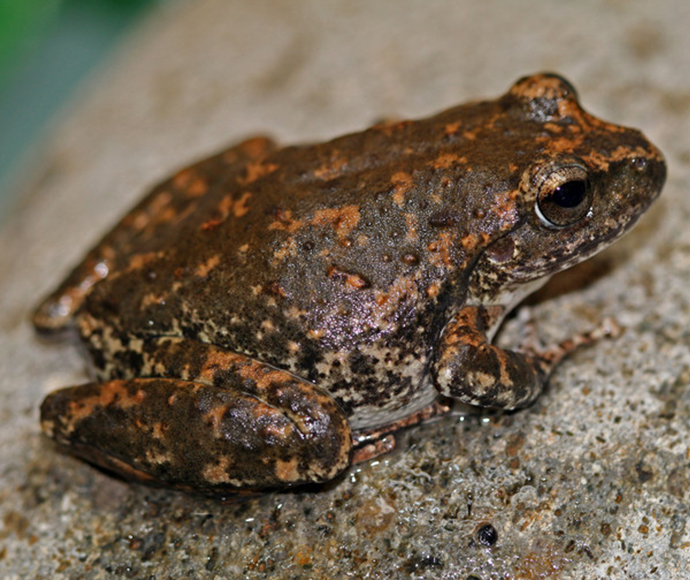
{"x": 193, "y": 435}
{"x": 467, "y": 367}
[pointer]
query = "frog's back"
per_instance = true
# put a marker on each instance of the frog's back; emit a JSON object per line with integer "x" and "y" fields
{"x": 359, "y": 235}
{"x": 366, "y": 239}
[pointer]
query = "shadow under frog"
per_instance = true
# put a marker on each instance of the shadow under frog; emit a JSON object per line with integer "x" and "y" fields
{"x": 270, "y": 315}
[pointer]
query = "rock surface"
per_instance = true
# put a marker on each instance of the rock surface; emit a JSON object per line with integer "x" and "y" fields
{"x": 591, "y": 482}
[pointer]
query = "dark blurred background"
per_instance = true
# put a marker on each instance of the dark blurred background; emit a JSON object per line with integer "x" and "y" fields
{"x": 46, "y": 48}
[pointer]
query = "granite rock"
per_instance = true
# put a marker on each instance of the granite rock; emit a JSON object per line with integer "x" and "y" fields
{"x": 591, "y": 482}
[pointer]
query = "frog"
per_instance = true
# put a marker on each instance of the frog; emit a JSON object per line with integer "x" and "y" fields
{"x": 269, "y": 316}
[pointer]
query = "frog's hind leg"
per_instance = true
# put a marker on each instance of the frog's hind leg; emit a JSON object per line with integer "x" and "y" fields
{"x": 228, "y": 424}
{"x": 159, "y": 212}
{"x": 370, "y": 443}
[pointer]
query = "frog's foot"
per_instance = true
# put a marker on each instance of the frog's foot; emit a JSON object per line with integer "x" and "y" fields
{"x": 370, "y": 443}
{"x": 467, "y": 367}
{"x": 56, "y": 311}
{"x": 157, "y": 216}
{"x": 608, "y": 328}
{"x": 278, "y": 432}
{"x": 373, "y": 448}
{"x": 530, "y": 343}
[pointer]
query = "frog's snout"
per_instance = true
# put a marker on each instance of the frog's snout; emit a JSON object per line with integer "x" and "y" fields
{"x": 647, "y": 175}
{"x": 654, "y": 168}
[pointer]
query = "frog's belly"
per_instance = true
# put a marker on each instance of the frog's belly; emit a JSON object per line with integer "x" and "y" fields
{"x": 379, "y": 383}
{"x": 368, "y": 416}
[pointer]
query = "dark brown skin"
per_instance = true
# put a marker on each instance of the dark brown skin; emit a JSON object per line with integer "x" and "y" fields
{"x": 264, "y": 314}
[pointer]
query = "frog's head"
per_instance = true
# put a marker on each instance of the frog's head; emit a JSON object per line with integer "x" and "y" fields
{"x": 587, "y": 185}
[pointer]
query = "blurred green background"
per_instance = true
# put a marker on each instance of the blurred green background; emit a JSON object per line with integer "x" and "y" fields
{"x": 46, "y": 48}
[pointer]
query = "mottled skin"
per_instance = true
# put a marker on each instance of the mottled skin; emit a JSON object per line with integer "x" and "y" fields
{"x": 264, "y": 314}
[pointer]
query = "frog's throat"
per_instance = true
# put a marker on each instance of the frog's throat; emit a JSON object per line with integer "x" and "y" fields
{"x": 505, "y": 301}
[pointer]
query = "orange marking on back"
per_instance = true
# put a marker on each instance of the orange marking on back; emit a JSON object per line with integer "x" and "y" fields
{"x": 211, "y": 224}
{"x": 433, "y": 290}
{"x": 333, "y": 168}
{"x": 158, "y": 431}
{"x": 152, "y": 299}
{"x": 159, "y": 202}
{"x": 343, "y": 219}
{"x": 285, "y": 222}
{"x": 203, "y": 269}
{"x": 446, "y": 160}
{"x": 316, "y": 333}
{"x": 441, "y": 250}
{"x": 197, "y": 188}
{"x": 411, "y": 221}
{"x": 452, "y": 128}
{"x": 289, "y": 248}
{"x": 241, "y": 206}
{"x": 471, "y": 135}
{"x": 402, "y": 291}
{"x": 256, "y": 147}
{"x": 140, "y": 220}
{"x": 183, "y": 178}
{"x": 257, "y": 170}
{"x": 469, "y": 242}
{"x": 138, "y": 261}
{"x": 553, "y": 127}
{"x": 402, "y": 182}
{"x": 163, "y": 217}
{"x": 388, "y": 128}
{"x": 352, "y": 281}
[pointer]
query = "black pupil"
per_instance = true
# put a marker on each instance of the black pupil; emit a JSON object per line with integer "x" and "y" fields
{"x": 570, "y": 194}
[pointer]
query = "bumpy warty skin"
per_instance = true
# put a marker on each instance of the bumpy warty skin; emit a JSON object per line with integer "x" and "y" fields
{"x": 342, "y": 264}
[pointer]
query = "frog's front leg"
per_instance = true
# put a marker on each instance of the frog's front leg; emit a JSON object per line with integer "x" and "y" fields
{"x": 229, "y": 424}
{"x": 469, "y": 368}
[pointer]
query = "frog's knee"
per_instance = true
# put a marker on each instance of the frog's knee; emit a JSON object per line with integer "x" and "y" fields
{"x": 472, "y": 387}
{"x": 195, "y": 436}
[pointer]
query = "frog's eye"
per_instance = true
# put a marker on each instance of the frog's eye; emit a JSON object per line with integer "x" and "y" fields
{"x": 565, "y": 196}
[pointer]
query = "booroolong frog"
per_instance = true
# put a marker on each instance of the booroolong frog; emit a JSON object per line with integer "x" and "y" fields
{"x": 269, "y": 315}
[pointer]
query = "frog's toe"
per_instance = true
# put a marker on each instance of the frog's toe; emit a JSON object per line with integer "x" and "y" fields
{"x": 56, "y": 312}
{"x": 198, "y": 437}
